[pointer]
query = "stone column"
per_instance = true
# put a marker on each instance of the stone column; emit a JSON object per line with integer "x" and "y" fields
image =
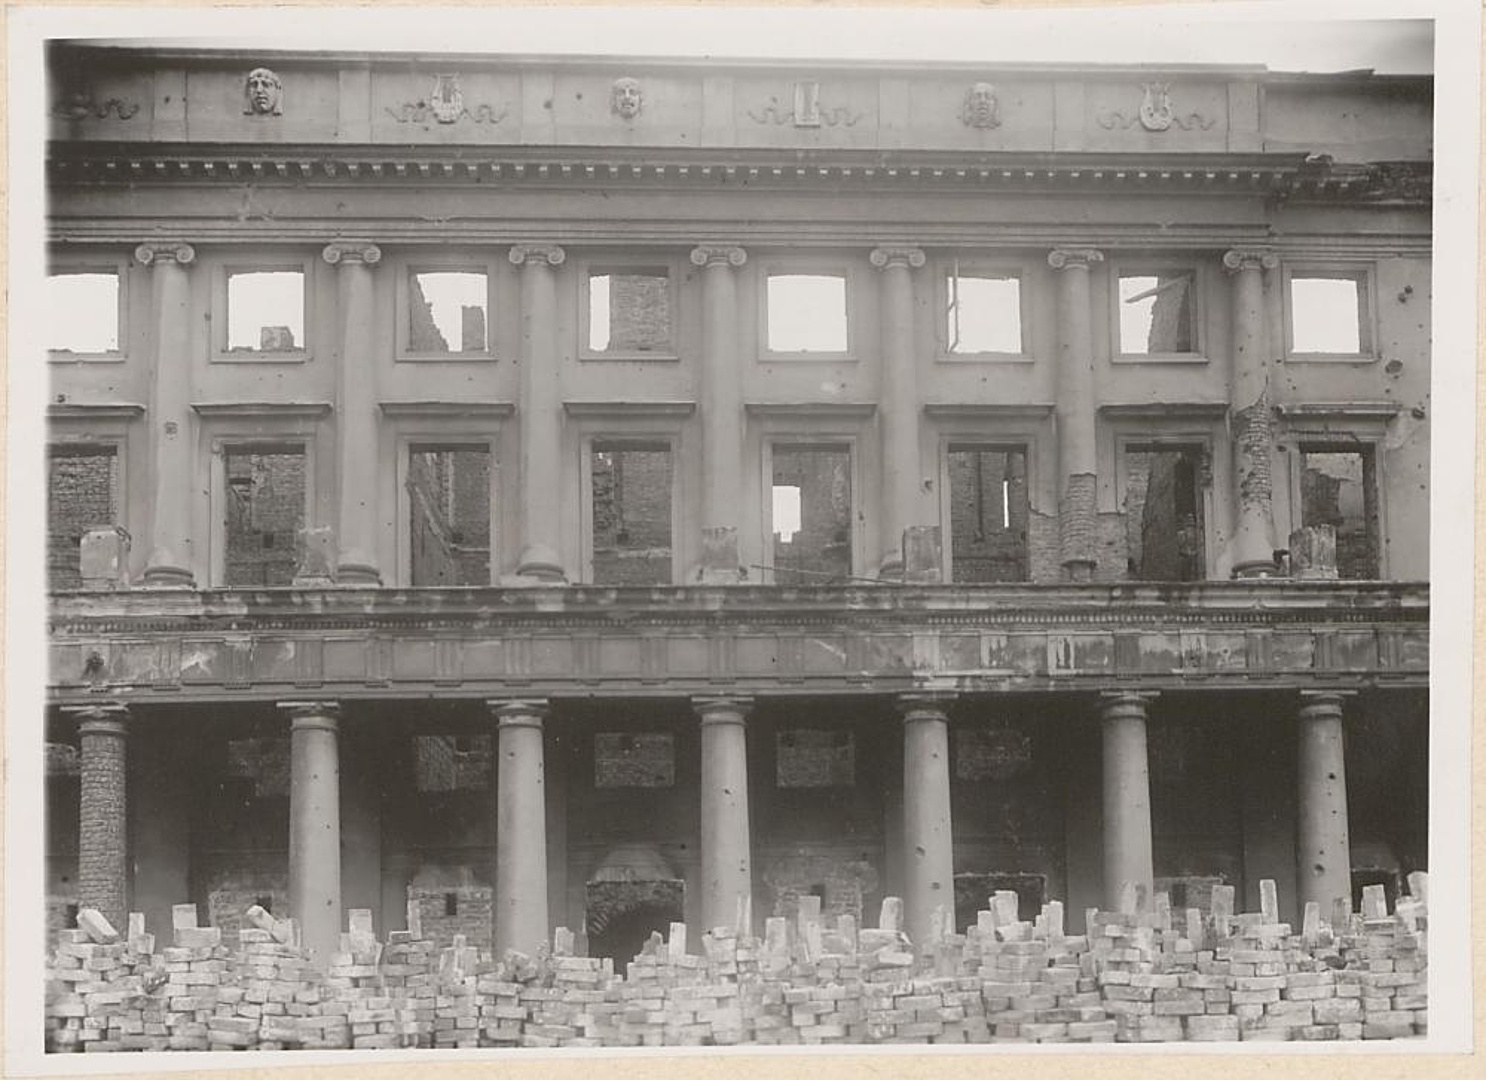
{"x": 727, "y": 868}
{"x": 521, "y": 827}
{"x": 541, "y": 415}
{"x": 1249, "y": 417}
{"x": 1324, "y": 855}
{"x": 315, "y": 824}
{"x": 172, "y": 554}
{"x": 1077, "y": 457}
{"x": 103, "y": 849}
{"x": 722, "y": 415}
{"x": 356, "y": 412}
{"x": 928, "y": 843}
{"x": 1127, "y": 799}
{"x": 898, "y": 404}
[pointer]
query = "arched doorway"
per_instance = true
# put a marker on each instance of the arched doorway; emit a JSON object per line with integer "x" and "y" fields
{"x": 633, "y": 893}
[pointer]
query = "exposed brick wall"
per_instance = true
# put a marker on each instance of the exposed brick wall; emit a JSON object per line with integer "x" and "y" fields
{"x": 102, "y": 866}
{"x": 834, "y": 872}
{"x": 820, "y": 552}
{"x": 82, "y": 494}
{"x": 639, "y": 312}
{"x": 988, "y": 534}
{"x": 231, "y": 889}
{"x": 472, "y": 914}
{"x": 631, "y": 514}
{"x": 449, "y": 489}
{"x": 265, "y": 513}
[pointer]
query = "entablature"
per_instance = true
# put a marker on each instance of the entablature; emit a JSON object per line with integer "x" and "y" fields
{"x": 756, "y": 639}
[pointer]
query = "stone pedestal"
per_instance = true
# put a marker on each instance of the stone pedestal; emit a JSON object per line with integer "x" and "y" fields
{"x": 315, "y": 824}
{"x": 1249, "y": 417}
{"x": 103, "y": 558}
{"x": 103, "y": 850}
{"x": 898, "y": 404}
{"x": 171, "y": 554}
{"x": 727, "y": 867}
{"x": 928, "y": 843}
{"x": 1077, "y": 460}
{"x": 356, "y": 411}
{"x": 1128, "y": 858}
{"x": 521, "y": 919}
{"x": 1313, "y": 553}
{"x": 1323, "y": 851}
{"x": 721, "y": 414}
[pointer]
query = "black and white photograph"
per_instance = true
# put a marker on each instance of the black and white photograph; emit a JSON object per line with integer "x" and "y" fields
{"x": 632, "y": 533}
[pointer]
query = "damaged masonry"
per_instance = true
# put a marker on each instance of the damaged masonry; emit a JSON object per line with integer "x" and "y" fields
{"x": 573, "y": 618}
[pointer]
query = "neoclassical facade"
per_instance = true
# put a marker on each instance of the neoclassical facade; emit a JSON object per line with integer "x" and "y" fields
{"x": 565, "y": 493}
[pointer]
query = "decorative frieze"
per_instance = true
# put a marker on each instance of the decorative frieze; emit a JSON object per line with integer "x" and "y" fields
{"x": 1155, "y": 114}
{"x": 626, "y": 98}
{"x": 980, "y": 108}
{"x": 444, "y": 104}
{"x": 807, "y": 111}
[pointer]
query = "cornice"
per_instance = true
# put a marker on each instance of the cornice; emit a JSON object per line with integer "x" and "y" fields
{"x": 601, "y": 409}
{"x": 963, "y": 410}
{"x": 84, "y": 410}
{"x": 1336, "y": 410}
{"x": 1158, "y": 410}
{"x": 257, "y": 410}
{"x": 448, "y": 409}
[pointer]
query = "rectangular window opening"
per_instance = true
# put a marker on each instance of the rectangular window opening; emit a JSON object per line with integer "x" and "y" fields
{"x": 812, "y": 514}
{"x": 1164, "y": 526}
{"x": 984, "y": 313}
{"x": 1326, "y": 314}
{"x": 265, "y": 514}
{"x": 629, "y": 312}
{"x": 631, "y": 508}
{"x": 83, "y": 312}
{"x": 643, "y": 759}
{"x": 1157, "y": 312}
{"x": 1338, "y": 487}
{"x": 451, "y": 762}
{"x": 988, "y": 513}
{"x": 82, "y": 494}
{"x": 814, "y": 758}
{"x": 807, "y": 313}
{"x": 265, "y": 311}
{"x": 449, "y": 500}
{"x": 448, "y": 311}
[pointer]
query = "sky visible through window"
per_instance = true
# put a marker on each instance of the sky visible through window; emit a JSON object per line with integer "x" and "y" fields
{"x": 258, "y": 299}
{"x": 807, "y": 313}
{"x": 1325, "y": 315}
{"x": 448, "y": 293}
{"x": 83, "y": 312}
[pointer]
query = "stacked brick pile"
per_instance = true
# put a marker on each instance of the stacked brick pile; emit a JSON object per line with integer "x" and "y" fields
{"x": 106, "y": 994}
{"x": 1142, "y": 974}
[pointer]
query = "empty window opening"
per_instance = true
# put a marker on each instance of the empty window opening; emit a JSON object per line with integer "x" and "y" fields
{"x": 449, "y": 501}
{"x": 1325, "y": 314}
{"x": 631, "y": 510}
{"x": 265, "y": 311}
{"x": 451, "y": 762}
{"x": 265, "y": 514}
{"x": 814, "y": 758}
{"x": 71, "y": 914}
{"x": 645, "y": 759}
{"x": 985, "y": 313}
{"x": 265, "y": 902}
{"x": 813, "y": 545}
{"x": 1164, "y": 529}
{"x": 83, "y": 312}
{"x": 63, "y": 759}
{"x": 1338, "y": 487}
{"x": 629, "y": 312}
{"x": 263, "y": 762}
{"x": 988, "y": 513}
{"x": 807, "y": 313}
{"x": 447, "y": 311}
{"x": 451, "y": 904}
{"x": 82, "y": 493}
{"x": 1156, "y": 313}
{"x": 621, "y": 916}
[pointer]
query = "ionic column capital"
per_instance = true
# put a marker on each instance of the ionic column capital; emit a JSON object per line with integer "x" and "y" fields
{"x": 312, "y": 715}
{"x": 890, "y": 256}
{"x": 522, "y": 713}
{"x": 718, "y": 255}
{"x": 1239, "y": 259}
{"x": 352, "y": 253}
{"x": 104, "y": 718}
{"x": 164, "y": 253}
{"x": 537, "y": 255}
{"x": 722, "y": 710}
{"x": 925, "y": 705}
{"x": 1074, "y": 258}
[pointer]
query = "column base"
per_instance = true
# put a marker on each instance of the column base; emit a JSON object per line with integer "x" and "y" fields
{"x": 1256, "y": 568}
{"x": 167, "y": 577}
{"x": 357, "y": 575}
{"x": 539, "y": 565}
{"x": 891, "y": 568}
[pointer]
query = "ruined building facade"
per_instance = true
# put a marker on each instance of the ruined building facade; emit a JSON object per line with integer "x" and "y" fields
{"x": 473, "y": 486}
